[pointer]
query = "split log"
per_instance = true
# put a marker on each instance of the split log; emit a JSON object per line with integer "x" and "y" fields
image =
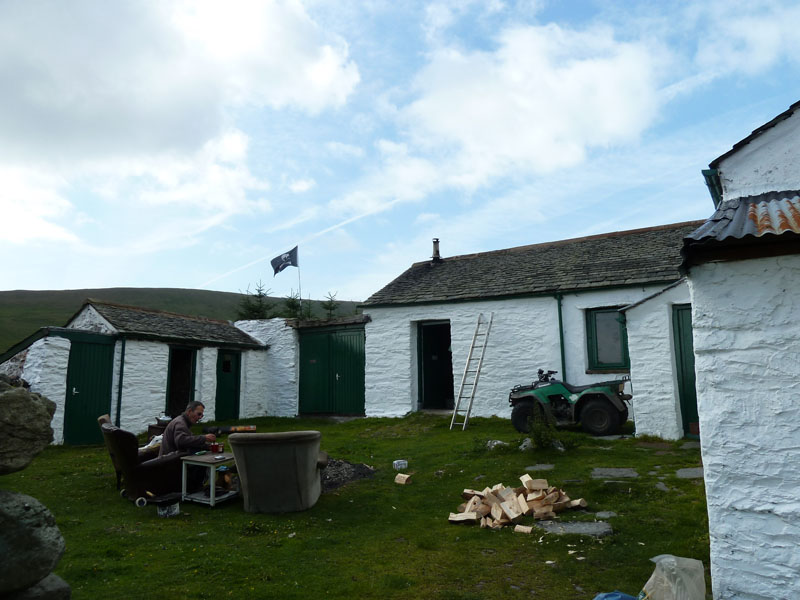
{"x": 402, "y": 479}
{"x": 522, "y": 529}
{"x": 511, "y": 510}
{"x": 579, "y": 503}
{"x": 496, "y": 512}
{"x": 539, "y": 484}
{"x": 473, "y": 504}
{"x": 467, "y": 517}
{"x": 523, "y": 505}
{"x": 540, "y": 515}
{"x": 526, "y": 481}
{"x": 467, "y": 494}
{"x": 484, "y": 509}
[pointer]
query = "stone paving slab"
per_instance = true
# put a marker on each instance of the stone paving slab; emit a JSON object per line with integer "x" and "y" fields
{"x": 603, "y": 472}
{"x": 596, "y": 529}
{"x": 690, "y": 445}
{"x": 542, "y": 467}
{"x": 690, "y": 473}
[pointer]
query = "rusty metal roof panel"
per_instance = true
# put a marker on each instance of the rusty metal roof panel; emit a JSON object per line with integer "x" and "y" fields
{"x": 773, "y": 213}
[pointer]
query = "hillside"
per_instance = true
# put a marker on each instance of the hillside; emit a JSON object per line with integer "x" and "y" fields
{"x": 22, "y": 312}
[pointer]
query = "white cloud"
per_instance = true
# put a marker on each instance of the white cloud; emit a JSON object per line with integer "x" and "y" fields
{"x": 29, "y": 202}
{"x": 344, "y": 150}
{"x": 301, "y": 185}
{"x": 134, "y": 78}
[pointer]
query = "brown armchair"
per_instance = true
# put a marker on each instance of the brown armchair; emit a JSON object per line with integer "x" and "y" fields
{"x": 144, "y": 480}
{"x": 143, "y": 453}
{"x": 279, "y": 472}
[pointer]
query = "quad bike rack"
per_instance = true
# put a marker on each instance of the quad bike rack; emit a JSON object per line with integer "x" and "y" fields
{"x": 472, "y": 371}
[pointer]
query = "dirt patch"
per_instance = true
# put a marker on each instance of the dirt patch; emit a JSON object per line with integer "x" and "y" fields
{"x": 655, "y": 445}
{"x": 340, "y": 472}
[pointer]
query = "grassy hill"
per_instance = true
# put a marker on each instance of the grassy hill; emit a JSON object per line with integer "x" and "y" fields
{"x": 22, "y": 312}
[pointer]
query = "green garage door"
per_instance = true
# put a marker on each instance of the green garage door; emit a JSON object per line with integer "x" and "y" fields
{"x": 89, "y": 373}
{"x": 332, "y": 371}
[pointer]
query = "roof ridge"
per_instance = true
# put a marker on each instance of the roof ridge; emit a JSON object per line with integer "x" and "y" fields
{"x": 610, "y": 234}
{"x": 95, "y": 302}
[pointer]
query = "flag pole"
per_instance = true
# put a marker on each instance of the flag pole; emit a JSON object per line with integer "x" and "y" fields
{"x": 299, "y": 290}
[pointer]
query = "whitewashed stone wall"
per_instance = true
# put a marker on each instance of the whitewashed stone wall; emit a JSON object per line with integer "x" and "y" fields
{"x": 275, "y": 389}
{"x": 91, "y": 320}
{"x": 656, "y": 402}
{"x": 254, "y": 394}
{"x": 46, "y": 371}
{"x": 747, "y": 361}
{"x": 524, "y": 338}
{"x": 769, "y": 162}
{"x": 14, "y": 365}
{"x": 205, "y": 389}
{"x": 144, "y": 384}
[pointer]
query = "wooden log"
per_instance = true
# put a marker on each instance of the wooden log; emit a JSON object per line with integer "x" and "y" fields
{"x": 497, "y": 512}
{"x": 473, "y": 504}
{"x": 507, "y": 494}
{"x": 559, "y": 506}
{"x": 539, "y": 484}
{"x": 579, "y": 503}
{"x": 537, "y": 495}
{"x": 491, "y": 499}
{"x": 523, "y": 505}
{"x": 511, "y": 510}
{"x": 526, "y": 481}
{"x": 540, "y": 515}
{"x": 551, "y": 497}
{"x": 467, "y": 494}
{"x": 523, "y": 529}
{"x": 467, "y": 517}
{"x": 484, "y": 509}
{"x": 462, "y": 507}
{"x": 402, "y": 479}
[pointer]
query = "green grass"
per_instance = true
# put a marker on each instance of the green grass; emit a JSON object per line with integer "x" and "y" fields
{"x": 373, "y": 538}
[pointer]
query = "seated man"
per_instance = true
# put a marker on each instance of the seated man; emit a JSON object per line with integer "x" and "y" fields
{"x": 178, "y": 434}
{"x": 177, "y": 437}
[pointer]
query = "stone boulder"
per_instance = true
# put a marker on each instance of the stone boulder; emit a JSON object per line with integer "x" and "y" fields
{"x": 24, "y": 426}
{"x": 32, "y": 542}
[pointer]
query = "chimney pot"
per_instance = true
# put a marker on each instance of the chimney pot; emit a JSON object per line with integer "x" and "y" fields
{"x": 436, "y": 249}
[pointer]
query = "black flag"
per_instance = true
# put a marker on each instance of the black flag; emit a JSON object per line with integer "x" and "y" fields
{"x": 287, "y": 259}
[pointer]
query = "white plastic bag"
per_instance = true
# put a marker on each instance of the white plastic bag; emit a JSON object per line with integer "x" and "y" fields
{"x": 675, "y": 578}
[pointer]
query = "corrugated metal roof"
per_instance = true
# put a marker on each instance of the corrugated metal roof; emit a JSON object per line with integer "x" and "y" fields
{"x": 773, "y": 213}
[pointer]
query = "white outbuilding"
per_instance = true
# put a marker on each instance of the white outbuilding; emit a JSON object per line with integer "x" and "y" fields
{"x": 743, "y": 269}
{"x": 555, "y": 306}
{"x": 136, "y": 364}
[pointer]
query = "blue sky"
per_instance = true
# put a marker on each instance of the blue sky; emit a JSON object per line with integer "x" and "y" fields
{"x": 185, "y": 144}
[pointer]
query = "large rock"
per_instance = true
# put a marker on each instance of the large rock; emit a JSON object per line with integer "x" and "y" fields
{"x": 24, "y": 427}
{"x": 51, "y": 587}
{"x": 30, "y": 542}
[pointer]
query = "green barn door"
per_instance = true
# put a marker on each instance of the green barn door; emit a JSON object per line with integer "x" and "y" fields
{"x": 684, "y": 361}
{"x": 228, "y": 373}
{"x": 89, "y": 374}
{"x": 332, "y": 371}
{"x": 348, "y": 372}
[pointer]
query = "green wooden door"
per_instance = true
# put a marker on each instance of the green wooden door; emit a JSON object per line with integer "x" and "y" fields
{"x": 348, "y": 372}
{"x": 332, "y": 371}
{"x": 684, "y": 362}
{"x": 89, "y": 374}
{"x": 228, "y": 374}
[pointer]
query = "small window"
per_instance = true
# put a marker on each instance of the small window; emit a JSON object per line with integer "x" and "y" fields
{"x": 607, "y": 340}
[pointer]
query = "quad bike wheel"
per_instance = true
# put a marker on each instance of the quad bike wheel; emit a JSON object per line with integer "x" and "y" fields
{"x": 521, "y": 416}
{"x": 141, "y": 502}
{"x": 599, "y": 417}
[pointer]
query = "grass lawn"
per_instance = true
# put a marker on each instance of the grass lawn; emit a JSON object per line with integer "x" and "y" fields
{"x": 373, "y": 538}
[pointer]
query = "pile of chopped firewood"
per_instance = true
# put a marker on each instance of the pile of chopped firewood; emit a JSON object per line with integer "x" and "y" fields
{"x": 498, "y": 506}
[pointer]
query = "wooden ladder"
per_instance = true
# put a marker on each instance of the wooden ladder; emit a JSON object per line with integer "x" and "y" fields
{"x": 472, "y": 371}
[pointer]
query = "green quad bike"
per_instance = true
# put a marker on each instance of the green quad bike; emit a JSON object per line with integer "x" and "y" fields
{"x": 601, "y": 408}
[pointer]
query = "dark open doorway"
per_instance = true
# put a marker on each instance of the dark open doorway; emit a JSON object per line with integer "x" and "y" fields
{"x": 180, "y": 382}
{"x": 435, "y": 365}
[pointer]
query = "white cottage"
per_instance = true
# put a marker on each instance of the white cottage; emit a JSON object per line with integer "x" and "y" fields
{"x": 744, "y": 274}
{"x": 136, "y": 364}
{"x": 554, "y": 305}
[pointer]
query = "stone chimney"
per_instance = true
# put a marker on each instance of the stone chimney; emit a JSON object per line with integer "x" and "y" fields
{"x": 436, "y": 256}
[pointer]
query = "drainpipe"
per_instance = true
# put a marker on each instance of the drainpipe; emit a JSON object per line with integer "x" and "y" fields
{"x": 119, "y": 382}
{"x": 559, "y": 297}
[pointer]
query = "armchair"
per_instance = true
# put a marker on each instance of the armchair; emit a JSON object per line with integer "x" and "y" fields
{"x": 279, "y": 472}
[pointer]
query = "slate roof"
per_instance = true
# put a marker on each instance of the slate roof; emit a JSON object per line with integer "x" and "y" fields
{"x": 143, "y": 323}
{"x": 636, "y": 257}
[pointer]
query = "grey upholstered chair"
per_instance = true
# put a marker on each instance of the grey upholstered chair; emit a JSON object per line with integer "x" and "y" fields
{"x": 279, "y": 472}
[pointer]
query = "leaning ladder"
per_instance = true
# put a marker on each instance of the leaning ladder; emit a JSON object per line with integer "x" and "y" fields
{"x": 472, "y": 371}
